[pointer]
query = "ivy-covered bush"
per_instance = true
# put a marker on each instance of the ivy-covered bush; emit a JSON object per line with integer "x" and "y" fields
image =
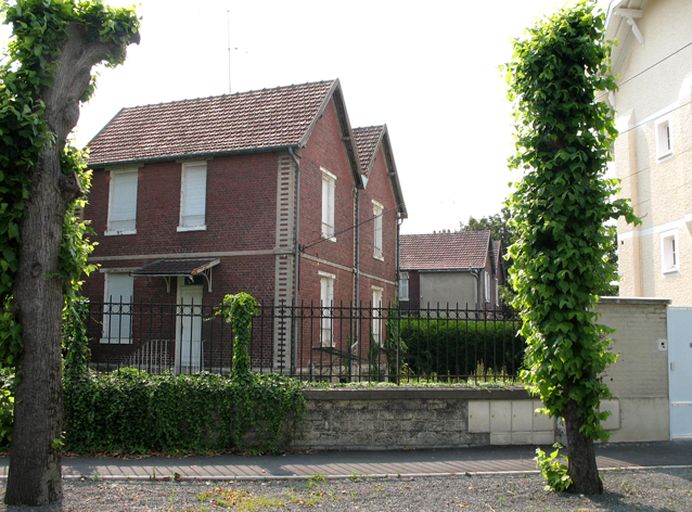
{"x": 130, "y": 411}
{"x": 445, "y": 347}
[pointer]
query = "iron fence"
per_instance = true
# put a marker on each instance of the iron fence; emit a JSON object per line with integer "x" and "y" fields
{"x": 338, "y": 343}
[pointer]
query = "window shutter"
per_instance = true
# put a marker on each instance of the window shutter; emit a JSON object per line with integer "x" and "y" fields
{"x": 122, "y": 209}
{"x": 194, "y": 195}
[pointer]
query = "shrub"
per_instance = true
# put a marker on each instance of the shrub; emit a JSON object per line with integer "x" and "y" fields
{"x": 456, "y": 348}
{"x": 130, "y": 411}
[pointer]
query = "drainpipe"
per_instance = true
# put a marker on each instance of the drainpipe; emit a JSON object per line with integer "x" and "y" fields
{"x": 399, "y": 221}
{"x": 356, "y": 245}
{"x": 296, "y": 258}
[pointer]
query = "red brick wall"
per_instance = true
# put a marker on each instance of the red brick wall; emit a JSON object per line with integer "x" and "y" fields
{"x": 326, "y": 149}
{"x": 240, "y": 215}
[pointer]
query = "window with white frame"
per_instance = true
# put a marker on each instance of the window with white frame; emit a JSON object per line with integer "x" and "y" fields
{"x": 486, "y": 286}
{"x": 122, "y": 202}
{"x": 403, "y": 286}
{"x": 497, "y": 293}
{"x": 117, "y": 308}
{"x": 664, "y": 141}
{"x": 670, "y": 252}
{"x": 328, "y": 194}
{"x": 377, "y": 314}
{"x": 326, "y": 303}
{"x": 193, "y": 196}
{"x": 377, "y": 210}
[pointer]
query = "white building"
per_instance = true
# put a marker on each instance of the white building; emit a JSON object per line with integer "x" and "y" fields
{"x": 653, "y": 152}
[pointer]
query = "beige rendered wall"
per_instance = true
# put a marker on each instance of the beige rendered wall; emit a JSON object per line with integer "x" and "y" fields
{"x": 655, "y": 83}
{"x": 448, "y": 288}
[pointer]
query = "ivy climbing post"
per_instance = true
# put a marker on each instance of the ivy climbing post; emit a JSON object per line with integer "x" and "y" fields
{"x": 560, "y": 208}
{"x": 47, "y": 73}
{"x": 239, "y": 310}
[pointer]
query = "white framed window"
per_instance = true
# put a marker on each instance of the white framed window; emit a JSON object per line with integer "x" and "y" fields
{"x": 377, "y": 211}
{"x": 486, "y": 286}
{"x": 670, "y": 252}
{"x": 193, "y": 196}
{"x": 377, "y": 315}
{"x": 403, "y": 286}
{"x": 326, "y": 303}
{"x": 117, "y": 308}
{"x": 122, "y": 202}
{"x": 328, "y": 195}
{"x": 497, "y": 293}
{"x": 664, "y": 140}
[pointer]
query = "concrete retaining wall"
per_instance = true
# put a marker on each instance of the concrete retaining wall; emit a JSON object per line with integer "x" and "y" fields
{"x": 401, "y": 418}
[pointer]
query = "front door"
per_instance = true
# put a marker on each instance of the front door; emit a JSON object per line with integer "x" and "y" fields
{"x": 188, "y": 327}
{"x": 680, "y": 372}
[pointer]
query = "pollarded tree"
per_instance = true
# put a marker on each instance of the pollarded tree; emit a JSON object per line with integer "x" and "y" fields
{"x": 48, "y": 72}
{"x": 560, "y": 209}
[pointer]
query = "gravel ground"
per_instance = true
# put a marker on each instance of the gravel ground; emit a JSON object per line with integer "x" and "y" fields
{"x": 644, "y": 490}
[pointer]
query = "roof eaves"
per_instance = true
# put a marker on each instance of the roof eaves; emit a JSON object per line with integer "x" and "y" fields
{"x": 392, "y": 173}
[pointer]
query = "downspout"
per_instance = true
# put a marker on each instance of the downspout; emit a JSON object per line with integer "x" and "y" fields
{"x": 356, "y": 275}
{"x": 296, "y": 260}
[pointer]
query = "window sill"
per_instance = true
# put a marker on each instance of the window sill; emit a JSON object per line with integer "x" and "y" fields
{"x": 378, "y": 257}
{"x": 330, "y": 238}
{"x": 108, "y": 232}
{"x": 664, "y": 156}
{"x": 182, "y": 229}
{"x": 115, "y": 341}
{"x": 670, "y": 271}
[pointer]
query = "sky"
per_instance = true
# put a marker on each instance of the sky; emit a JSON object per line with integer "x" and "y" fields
{"x": 429, "y": 70}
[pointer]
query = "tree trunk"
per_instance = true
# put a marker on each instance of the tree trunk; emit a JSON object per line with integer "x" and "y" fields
{"x": 34, "y": 476}
{"x": 582, "y": 467}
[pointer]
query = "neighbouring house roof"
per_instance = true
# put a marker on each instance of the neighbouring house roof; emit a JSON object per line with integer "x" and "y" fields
{"x": 445, "y": 251}
{"x": 622, "y": 24}
{"x": 245, "y": 122}
{"x": 368, "y": 139}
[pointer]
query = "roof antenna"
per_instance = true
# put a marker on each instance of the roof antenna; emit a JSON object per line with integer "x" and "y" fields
{"x": 228, "y": 31}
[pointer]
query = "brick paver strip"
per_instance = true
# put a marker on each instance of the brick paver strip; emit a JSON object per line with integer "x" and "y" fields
{"x": 363, "y": 463}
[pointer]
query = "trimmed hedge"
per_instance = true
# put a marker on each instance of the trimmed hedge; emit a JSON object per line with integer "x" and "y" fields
{"x": 457, "y": 348}
{"x": 130, "y": 411}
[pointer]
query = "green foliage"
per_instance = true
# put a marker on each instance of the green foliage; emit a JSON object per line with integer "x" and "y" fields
{"x": 561, "y": 206}
{"x": 130, "y": 411}
{"x": 445, "y": 346}
{"x": 38, "y": 33}
{"x": 75, "y": 338}
{"x": 553, "y": 467}
{"x": 395, "y": 346}
{"x": 239, "y": 310}
{"x": 6, "y": 407}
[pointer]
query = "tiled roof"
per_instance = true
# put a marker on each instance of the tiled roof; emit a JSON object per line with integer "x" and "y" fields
{"x": 246, "y": 121}
{"x": 440, "y": 251}
{"x": 366, "y": 139}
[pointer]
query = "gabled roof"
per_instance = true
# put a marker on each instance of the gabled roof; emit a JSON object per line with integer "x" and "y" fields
{"x": 368, "y": 140}
{"x": 445, "y": 251}
{"x": 245, "y": 122}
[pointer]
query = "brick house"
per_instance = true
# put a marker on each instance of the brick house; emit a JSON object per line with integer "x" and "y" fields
{"x": 261, "y": 191}
{"x": 455, "y": 270}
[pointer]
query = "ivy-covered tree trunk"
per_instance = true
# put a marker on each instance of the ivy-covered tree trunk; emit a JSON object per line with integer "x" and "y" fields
{"x": 74, "y": 42}
{"x": 560, "y": 209}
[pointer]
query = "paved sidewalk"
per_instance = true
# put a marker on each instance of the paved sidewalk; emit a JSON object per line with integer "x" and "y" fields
{"x": 362, "y": 463}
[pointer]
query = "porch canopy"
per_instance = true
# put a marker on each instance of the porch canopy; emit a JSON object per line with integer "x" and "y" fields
{"x": 179, "y": 267}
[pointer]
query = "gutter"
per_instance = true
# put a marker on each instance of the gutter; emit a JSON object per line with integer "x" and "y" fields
{"x": 296, "y": 254}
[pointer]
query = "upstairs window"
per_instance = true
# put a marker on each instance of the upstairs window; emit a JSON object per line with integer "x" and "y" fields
{"x": 326, "y": 303}
{"x": 193, "y": 196}
{"x": 664, "y": 142}
{"x": 670, "y": 252}
{"x": 486, "y": 286}
{"x": 122, "y": 203}
{"x": 117, "y": 308}
{"x": 403, "y": 286}
{"x": 328, "y": 194}
{"x": 377, "y": 210}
